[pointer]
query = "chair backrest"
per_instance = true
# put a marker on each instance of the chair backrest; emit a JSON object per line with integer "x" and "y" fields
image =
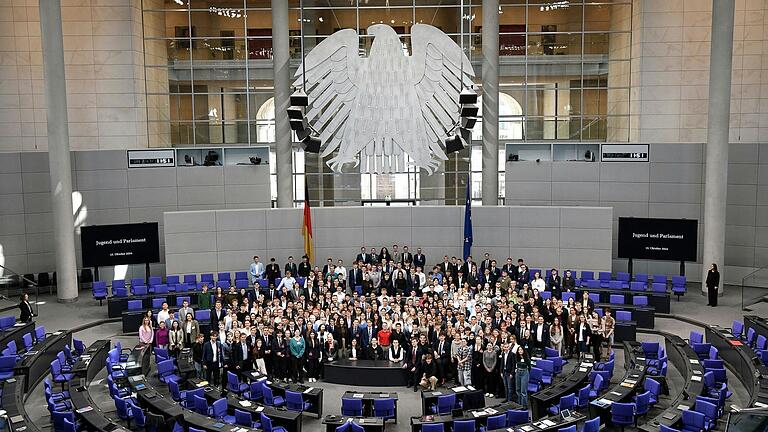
{"x": 622, "y": 412}
{"x": 659, "y": 278}
{"x": 650, "y": 349}
{"x": 678, "y": 280}
{"x": 706, "y": 408}
{"x": 431, "y": 427}
{"x": 173, "y": 386}
{"x": 595, "y": 297}
{"x": 165, "y": 367}
{"x": 587, "y": 275}
{"x": 241, "y": 283}
{"x": 351, "y": 407}
{"x": 517, "y": 417}
{"x": 614, "y": 284}
{"x": 583, "y": 399}
{"x": 593, "y": 283}
{"x": 567, "y": 296}
{"x": 738, "y": 328}
{"x": 658, "y": 287}
{"x": 750, "y": 335}
{"x": 663, "y": 428}
{"x": 256, "y": 390}
{"x": 535, "y": 375}
{"x": 568, "y": 401}
{"x": 219, "y": 407}
{"x": 760, "y": 342}
{"x": 617, "y": 299}
{"x": 190, "y": 278}
{"x": 206, "y": 277}
{"x": 118, "y": 283}
{"x": 134, "y": 305}
{"x": 39, "y": 333}
{"x": 693, "y": 419}
{"x": 294, "y": 400}
{"x": 383, "y": 407}
{"x": 623, "y": 316}
{"x": 201, "y": 404}
{"x": 637, "y": 286}
{"x": 158, "y": 302}
{"x": 571, "y": 428}
{"x": 464, "y": 426}
{"x": 550, "y": 352}
{"x": 597, "y": 385}
{"x": 640, "y": 301}
{"x": 268, "y": 396}
{"x": 652, "y": 386}
{"x": 266, "y": 423}
{"x": 547, "y": 366}
{"x": 643, "y": 402}
{"x": 224, "y": 276}
{"x": 27, "y": 339}
{"x": 496, "y": 422}
{"x": 243, "y": 418}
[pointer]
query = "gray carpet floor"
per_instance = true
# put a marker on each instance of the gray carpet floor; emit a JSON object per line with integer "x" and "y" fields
{"x": 55, "y": 316}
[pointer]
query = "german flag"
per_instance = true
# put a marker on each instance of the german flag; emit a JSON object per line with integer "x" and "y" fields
{"x": 306, "y": 227}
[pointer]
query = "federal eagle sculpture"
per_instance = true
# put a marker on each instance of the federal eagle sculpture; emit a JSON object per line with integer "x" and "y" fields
{"x": 387, "y": 105}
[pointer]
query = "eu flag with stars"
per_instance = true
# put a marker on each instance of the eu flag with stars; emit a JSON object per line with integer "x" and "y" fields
{"x": 468, "y": 221}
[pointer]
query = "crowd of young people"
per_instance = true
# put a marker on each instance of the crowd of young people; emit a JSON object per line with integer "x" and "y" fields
{"x": 470, "y": 322}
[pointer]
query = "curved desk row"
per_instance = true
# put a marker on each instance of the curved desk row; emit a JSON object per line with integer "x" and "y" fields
{"x": 685, "y": 360}
{"x": 742, "y": 361}
{"x": 636, "y": 369}
{"x": 470, "y": 397}
{"x": 155, "y": 402}
{"x": 313, "y": 395}
{"x": 542, "y": 400}
{"x": 479, "y": 416}
{"x": 86, "y": 410}
{"x": 36, "y": 363}
{"x": 645, "y": 316}
{"x": 658, "y": 300}
{"x": 369, "y": 373}
{"x": 16, "y": 333}
{"x": 369, "y": 424}
{"x": 290, "y": 420}
{"x": 13, "y": 404}
{"x": 552, "y": 423}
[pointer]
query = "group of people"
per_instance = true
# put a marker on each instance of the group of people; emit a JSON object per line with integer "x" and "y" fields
{"x": 464, "y": 321}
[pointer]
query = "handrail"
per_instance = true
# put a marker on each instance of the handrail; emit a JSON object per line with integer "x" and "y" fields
{"x": 744, "y": 305}
{"x": 754, "y": 272}
{"x": 30, "y": 282}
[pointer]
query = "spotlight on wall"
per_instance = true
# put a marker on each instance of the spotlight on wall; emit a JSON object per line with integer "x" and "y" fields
{"x": 467, "y": 96}
{"x": 299, "y": 98}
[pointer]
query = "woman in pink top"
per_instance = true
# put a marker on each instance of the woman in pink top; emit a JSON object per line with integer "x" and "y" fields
{"x": 146, "y": 333}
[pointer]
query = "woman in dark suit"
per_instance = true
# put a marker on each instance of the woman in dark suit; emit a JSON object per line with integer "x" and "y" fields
{"x": 713, "y": 282}
{"x": 25, "y": 308}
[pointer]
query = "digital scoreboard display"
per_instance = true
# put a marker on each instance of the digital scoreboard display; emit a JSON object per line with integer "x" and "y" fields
{"x": 110, "y": 245}
{"x": 658, "y": 239}
{"x": 151, "y": 158}
{"x": 624, "y": 153}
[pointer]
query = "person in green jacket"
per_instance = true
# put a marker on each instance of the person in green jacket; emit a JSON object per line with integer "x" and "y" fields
{"x": 204, "y": 298}
{"x": 296, "y": 347}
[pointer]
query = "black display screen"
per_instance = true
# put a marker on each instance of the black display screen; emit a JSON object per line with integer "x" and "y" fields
{"x": 110, "y": 245}
{"x": 658, "y": 239}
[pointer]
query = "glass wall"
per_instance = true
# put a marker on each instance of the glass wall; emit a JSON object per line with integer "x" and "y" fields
{"x": 564, "y": 75}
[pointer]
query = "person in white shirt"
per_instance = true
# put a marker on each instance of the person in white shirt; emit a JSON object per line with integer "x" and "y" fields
{"x": 538, "y": 283}
{"x": 422, "y": 277}
{"x": 340, "y": 269}
{"x": 164, "y": 314}
{"x": 256, "y": 271}
{"x": 395, "y": 352}
{"x": 288, "y": 282}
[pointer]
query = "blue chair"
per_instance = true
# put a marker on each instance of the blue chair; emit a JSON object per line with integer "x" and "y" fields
{"x": 58, "y": 376}
{"x": 615, "y": 285}
{"x": 605, "y": 278}
{"x": 587, "y": 275}
{"x": 637, "y": 286}
{"x": 155, "y": 280}
{"x": 100, "y": 291}
{"x": 597, "y": 385}
{"x": 241, "y": 275}
{"x": 189, "y": 397}
{"x": 166, "y": 371}
{"x": 139, "y": 290}
{"x": 176, "y": 393}
{"x": 567, "y": 296}
{"x": 593, "y": 284}
{"x": 123, "y": 410}
{"x": 294, "y": 401}
{"x": 696, "y": 337}
{"x": 650, "y": 349}
{"x": 557, "y": 363}
{"x": 433, "y": 427}
{"x": 663, "y": 428}
{"x": 241, "y": 284}
{"x": 679, "y": 286}
{"x": 652, "y": 387}
{"x": 760, "y": 343}
{"x": 255, "y": 391}
{"x": 701, "y": 349}
{"x": 464, "y": 426}
{"x": 270, "y": 399}
{"x": 139, "y": 417}
{"x": 69, "y": 426}
{"x": 384, "y": 408}
{"x": 207, "y": 277}
{"x": 623, "y": 316}
{"x": 738, "y": 328}
{"x": 266, "y": 425}
{"x": 658, "y": 287}
{"x": 40, "y": 333}
{"x": 117, "y": 283}
{"x": 243, "y": 418}
{"x": 659, "y": 278}
{"x": 135, "y": 305}
{"x": 642, "y": 403}
{"x": 234, "y": 385}
{"x": 534, "y": 380}
{"x": 750, "y": 336}
{"x": 547, "y": 370}
{"x": 582, "y": 399}
{"x": 623, "y": 414}
{"x": 623, "y": 277}
{"x": 190, "y": 279}
{"x": 60, "y": 419}
{"x": 120, "y": 291}
{"x": 517, "y": 417}
{"x": 567, "y": 402}
{"x": 201, "y": 406}
{"x": 693, "y": 421}
{"x": 27, "y": 340}
{"x": 494, "y": 423}
{"x": 640, "y": 301}
{"x": 710, "y": 413}
{"x": 571, "y": 428}
{"x": 445, "y": 404}
{"x": 351, "y": 407}
{"x": 592, "y": 425}
{"x": 616, "y": 299}
{"x": 219, "y": 411}
{"x": 224, "y": 276}
{"x": 157, "y": 303}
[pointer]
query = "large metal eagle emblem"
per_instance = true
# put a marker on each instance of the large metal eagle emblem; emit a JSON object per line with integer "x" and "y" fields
{"x": 387, "y": 105}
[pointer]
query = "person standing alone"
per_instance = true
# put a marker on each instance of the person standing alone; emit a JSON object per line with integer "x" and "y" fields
{"x": 713, "y": 282}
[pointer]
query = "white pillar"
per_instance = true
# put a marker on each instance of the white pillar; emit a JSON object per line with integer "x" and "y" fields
{"x": 58, "y": 150}
{"x": 490, "y": 102}
{"x": 281, "y": 65}
{"x": 716, "y": 163}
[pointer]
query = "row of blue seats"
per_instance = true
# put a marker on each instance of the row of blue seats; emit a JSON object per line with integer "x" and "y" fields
{"x": 11, "y": 353}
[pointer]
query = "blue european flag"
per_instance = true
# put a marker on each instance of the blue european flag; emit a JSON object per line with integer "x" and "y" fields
{"x": 468, "y": 221}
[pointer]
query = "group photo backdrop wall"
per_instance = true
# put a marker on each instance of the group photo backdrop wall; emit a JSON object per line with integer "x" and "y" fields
{"x": 225, "y": 240}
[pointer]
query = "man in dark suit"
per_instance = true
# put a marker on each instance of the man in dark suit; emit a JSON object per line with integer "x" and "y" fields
{"x": 540, "y": 333}
{"x": 241, "y": 354}
{"x": 212, "y": 359}
{"x": 363, "y": 256}
{"x": 406, "y": 256}
{"x": 355, "y": 277}
{"x": 217, "y": 314}
{"x": 328, "y": 266}
{"x": 412, "y": 362}
{"x": 485, "y": 264}
{"x": 374, "y": 351}
{"x": 273, "y": 271}
{"x": 442, "y": 352}
{"x": 305, "y": 268}
{"x": 553, "y": 283}
{"x": 510, "y": 268}
{"x": 446, "y": 265}
{"x": 587, "y": 304}
{"x": 507, "y": 369}
{"x": 419, "y": 260}
{"x": 290, "y": 266}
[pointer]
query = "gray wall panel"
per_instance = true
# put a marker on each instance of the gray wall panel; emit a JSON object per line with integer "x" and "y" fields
{"x": 151, "y": 177}
{"x": 575, "y": 172}
{"x": 534, "y": 217}
{"x": 685, "y": 153}
{"x": 244, "y": 240}
{"x": 101, "y": 179}
{"x": 629, "y": 192}
{"x": 37, "y": 202}
{"x": 245, "y": 194}
{"x": 189, "y": 222}
{"x": 743, "y": 174}
{"x": 36, "y": 182}
{"x": 246, "y": 175}
{"x": 10, "y": 162}
{"x": 100, "y": 160}
{"x": 677, "y": 172}
{"x": 528, "y": 191}
{"x": 576, "y": 191}
{"x": 676, "y": 193}
{"x": 201, "y": 195}
{"x": 741, "y": 194}
{"x": 105, "y": 199}
{"x": 34, "y": 162}
{"x": 179, "y": 243}
{"x": 529, "y": 171}
{"x": 742, "y": 153}
{"x": 241, "y": 220}
{"x": 200, "y": 176}
{"x": 624, "y": 172}
{"x": 10, "y": 183}
{"x": 12, "y": 224}
{"x": 12, "y": 204}
{"x": 155, "y": 196}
